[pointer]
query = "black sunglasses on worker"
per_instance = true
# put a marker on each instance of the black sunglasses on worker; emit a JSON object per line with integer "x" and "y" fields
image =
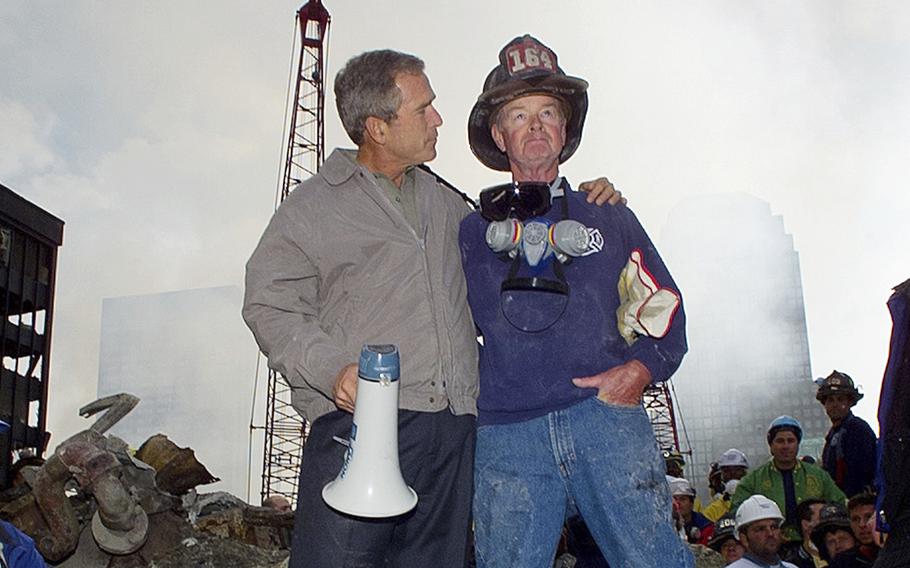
{"x": 518, "y": 200}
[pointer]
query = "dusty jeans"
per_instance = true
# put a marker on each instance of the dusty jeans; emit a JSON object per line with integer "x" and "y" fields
{"x": 602, "y": 458}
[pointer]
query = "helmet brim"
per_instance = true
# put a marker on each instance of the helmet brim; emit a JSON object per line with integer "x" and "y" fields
{"x": 824, "y": 392}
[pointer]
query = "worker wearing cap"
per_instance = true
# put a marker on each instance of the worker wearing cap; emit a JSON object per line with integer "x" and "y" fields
{"x": 696, "y": 527}
{"x": 674, "y": 463}
{"x": 732, "y": 466}
{"x": 849, "y": 454}
{"x": 724, "y": 541}
{"x": 835, "y": 541}
{"x": 568, "y": 347}
{"x": 758, "y": 522}
{"x": 785, "y": 479}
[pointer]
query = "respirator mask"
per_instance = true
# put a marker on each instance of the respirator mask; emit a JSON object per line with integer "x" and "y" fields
{"x": 518, "y": 232}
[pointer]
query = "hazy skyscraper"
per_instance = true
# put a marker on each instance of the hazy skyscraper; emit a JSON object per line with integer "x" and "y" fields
{"x": 190, "y": 359}
{"x": 748, "y": 359}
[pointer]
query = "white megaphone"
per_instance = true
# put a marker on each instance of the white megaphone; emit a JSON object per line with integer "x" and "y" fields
{"x": 370, "y": 482}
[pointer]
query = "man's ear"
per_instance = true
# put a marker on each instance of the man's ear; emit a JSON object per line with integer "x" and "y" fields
{"x": 743, "y": 539}
{"x": 498, "y": 138}
{"x": 376, "y": 129}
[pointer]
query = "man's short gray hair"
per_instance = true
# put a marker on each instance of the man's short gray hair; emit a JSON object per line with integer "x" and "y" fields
{"x": 366, "y": 87}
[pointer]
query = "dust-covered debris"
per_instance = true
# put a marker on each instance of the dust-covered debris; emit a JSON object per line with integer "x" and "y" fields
{"x": 706, "y": 557}
{"x": 92, "y": 504}
{"x": 178, "y": 469}
{"x": 208, "y": 551}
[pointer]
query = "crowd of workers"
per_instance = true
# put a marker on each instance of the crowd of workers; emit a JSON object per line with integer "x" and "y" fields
{"x": 790, "y": 510}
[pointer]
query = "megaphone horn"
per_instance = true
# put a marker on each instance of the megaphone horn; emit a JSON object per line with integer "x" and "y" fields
{"x": 370, "y": 482}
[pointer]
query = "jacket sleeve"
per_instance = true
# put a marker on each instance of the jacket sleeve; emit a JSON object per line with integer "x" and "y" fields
{"x": 18, "y": 549}
{"x": 860, "y": 450}
{"x": 281, "y": 307}
{"x": 663, "y": 355}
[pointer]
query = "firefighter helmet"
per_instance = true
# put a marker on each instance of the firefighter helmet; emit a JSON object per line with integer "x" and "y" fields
{"x": 836, "y": 383}
{"x": 831, "y": 517}
{"x": 526, "y": 67}
{"x": 724, "y": 528}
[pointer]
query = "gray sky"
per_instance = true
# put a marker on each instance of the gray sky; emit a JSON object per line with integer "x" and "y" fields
{"x": 154, "y": 130}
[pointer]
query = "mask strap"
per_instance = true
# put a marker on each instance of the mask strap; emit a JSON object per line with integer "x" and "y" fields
{"x": 557, "y": 188}
{"x": 513, "y": 269}
{"x": 565, "y": 201}
{"x": 565, "y": 216}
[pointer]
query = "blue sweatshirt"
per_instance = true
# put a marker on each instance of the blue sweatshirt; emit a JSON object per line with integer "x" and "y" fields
{"x": 17, "y": 549}
{"x": 528, "y": 374}
{"x": 849, "y": 455}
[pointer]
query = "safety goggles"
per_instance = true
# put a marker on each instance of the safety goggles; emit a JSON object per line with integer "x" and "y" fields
{"x": 518, "y": 200}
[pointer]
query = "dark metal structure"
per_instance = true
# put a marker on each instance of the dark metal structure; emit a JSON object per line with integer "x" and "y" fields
{"x": 659, "y": 405}
{"x": 306, "y": 134}
{"x": 285, "y": 430}
{"x": 29, "y": 238}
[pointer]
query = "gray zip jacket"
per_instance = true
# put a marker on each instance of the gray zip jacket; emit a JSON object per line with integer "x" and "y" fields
{"x": 339, "y": 267}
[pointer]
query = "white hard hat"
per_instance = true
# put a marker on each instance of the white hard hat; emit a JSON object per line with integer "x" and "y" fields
{"x": 756, "y": 508}
{"x": 733, "y": 458}
{"x": 680, "y": 486}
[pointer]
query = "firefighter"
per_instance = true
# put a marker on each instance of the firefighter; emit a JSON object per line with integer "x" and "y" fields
{"x": 835, "y": 541}
{"x": 724, "y": 540}
{"x": 849, "y": 454}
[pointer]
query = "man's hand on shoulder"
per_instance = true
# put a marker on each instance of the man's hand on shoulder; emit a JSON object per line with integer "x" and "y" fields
{"x": 601, "y": 191}
{"x": 622, "y": 385}
{"x": 345, "y": 389}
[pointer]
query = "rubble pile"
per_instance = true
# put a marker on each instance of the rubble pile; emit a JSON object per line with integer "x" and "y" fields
{"x": 93, "y": 504}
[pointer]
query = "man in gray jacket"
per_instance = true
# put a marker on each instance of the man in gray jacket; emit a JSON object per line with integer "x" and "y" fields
{"x": 366, "y": 251}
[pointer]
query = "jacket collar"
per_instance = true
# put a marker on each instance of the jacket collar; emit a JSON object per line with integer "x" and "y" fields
{"x": 759, "y": 562}
{"x": 797, "y": 467}
{"x": 341, "y": 166}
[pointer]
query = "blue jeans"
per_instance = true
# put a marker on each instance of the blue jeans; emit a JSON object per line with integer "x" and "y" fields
{"x": 603, "y": 459}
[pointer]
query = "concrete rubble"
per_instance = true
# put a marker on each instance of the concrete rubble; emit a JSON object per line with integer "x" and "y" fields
{"x": 93, "y": 504}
